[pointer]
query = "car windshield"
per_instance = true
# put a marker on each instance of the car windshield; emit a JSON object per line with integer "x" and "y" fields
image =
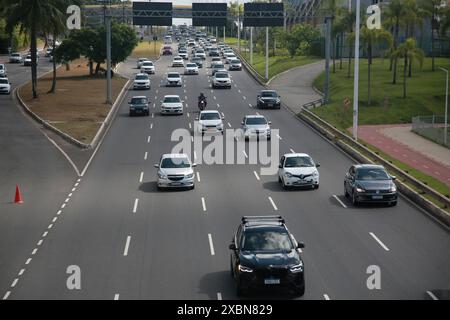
{"x": 218, "y": 66}
{"x": 266, "y": 241}
{"x": 268, "y": 94}
{"x": 1, "y": 67}
{"x": 236, "y": 61}
{"x": 210, "y": 116}
{"x": 191, "y": 65}
{"x": 173, "y": 75}
{"x": 3, "y": 81}
{"x": 294, "y": 162}
{"x": 221, "y": 75}
{"x": 138, "y": 101}
{"x": 371, "y": 174}
{"x": 15, "y": 55}
{"x": 141, "y": 77}
{"x": 173, "y": 163}
{"x": 148, "y": 64}
{"x": 256, "y": 121}
{"x": 215, "y": 59}
{"x": 182, "y": 51}
{"x": 171, "y": 99}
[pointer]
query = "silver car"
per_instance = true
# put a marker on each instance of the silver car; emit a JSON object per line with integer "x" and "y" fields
{"x": 256, "y": 126}
{"x": 175, "y": 171}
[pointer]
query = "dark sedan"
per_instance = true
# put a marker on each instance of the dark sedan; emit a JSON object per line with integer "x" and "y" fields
{"x": 265, "y": 255}
{"x": 370, "y": 184}
{"x": 268, "y": 99}
{"x": 198, "y": 61}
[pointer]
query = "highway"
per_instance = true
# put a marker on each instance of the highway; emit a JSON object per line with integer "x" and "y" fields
{"x": 132, "y": 241}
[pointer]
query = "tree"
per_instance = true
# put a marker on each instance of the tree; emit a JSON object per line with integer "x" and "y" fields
{"x": 69, "y": 50}
{"x": 370, "y": 38}
{"x": 348, "y": 22}
{"x": 333, "y": 9}
{"x": 30, "y": 15}
{"x": 301, "y": 36}
{"x": 409, "y": 52}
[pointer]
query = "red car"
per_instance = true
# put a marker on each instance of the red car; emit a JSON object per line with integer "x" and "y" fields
{"x": 167, "y": 50}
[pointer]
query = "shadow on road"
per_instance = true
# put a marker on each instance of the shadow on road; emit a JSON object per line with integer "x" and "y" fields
{"x": 275, "y": 186}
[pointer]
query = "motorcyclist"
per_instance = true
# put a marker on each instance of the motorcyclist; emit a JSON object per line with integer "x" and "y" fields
{"x": 201, "y": 98}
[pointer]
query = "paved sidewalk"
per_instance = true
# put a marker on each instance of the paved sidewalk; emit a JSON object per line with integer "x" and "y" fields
{"x": 295, "y": 86}
{"x": 402, "y": 144}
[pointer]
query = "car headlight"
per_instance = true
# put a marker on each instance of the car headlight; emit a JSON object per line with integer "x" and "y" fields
{"x": 359, "y": 189}
{"x": 297, "y": 268}
{"x": 244, "y": 269}
{"x": 315, "y": 174}
{"x": 162, "y": 175}
{"x": 288, "y": 174}
{"x": 189, "y": 176}
{"x": 393, "y": 188}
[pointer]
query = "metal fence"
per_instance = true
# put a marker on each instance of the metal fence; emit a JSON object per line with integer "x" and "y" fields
{"x": 431, "y": 127}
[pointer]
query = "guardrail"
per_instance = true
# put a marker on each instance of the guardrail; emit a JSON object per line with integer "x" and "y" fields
{"x": 314, "y": 104}
{"x": 258, "y": 77}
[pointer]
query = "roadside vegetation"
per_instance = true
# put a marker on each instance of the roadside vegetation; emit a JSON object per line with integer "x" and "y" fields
{"x": 147, "y": 49}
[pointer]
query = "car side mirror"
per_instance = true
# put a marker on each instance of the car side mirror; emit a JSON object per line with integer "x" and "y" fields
{"x": 300, "y": 245}
{"x": 222, "y": 117}
{"x": 270, "y": 122}
{"x": 156, "y": 165}
{"x": 232, "y": 246}
{"x": 317, "y": 164}
{"x": 242, "y": 122}
{"x": 394, "y": 178}
{"x": 280, "y": 166}
{"x": 194, "y": 165}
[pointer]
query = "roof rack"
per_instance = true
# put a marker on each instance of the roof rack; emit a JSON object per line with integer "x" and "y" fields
{"x": 246, "y": 219}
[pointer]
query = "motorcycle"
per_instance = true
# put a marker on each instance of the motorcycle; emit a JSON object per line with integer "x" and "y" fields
{"x": 202, "y": 105}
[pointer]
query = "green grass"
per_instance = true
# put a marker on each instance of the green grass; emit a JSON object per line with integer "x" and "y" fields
{"x": 425, "y": 94}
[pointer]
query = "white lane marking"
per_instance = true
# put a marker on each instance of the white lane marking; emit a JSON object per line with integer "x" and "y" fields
{"x": 339, "y": 200}
{"x": 151, "y": 125}
{"x": 250, "y": 105}
{"x": 192, "y": 138}
{"x": 211, "y": 245}
{"x": 136, "y": 201}
{"x": 229, "y": 124}
{"x": 70, "y": 194}
{"x": 187, "y": 105}
{"x": 219, "y": 296}
{"x": 153, "y": 115}
{"x": 156, "y": 97}
{"x": 73, "y": 189}
{"x": 28, "y": 261}
{"x": 59, "y": 212}
{"x": 6, "y": 295}
{"x": 195, "y": 155}
{"x": 190, "y": 126}
{"x": 432, "y": 295}
{"x": 279, "y": 137}
{"x": 34, "y": 251}
{"x": 79, "y": 180}
{"x": 14, "y": 282}
{"x": 245, "y": 153}
{"x": 141, "y": 177}
{"x": 54, "y": 219}
{"x": 203, "y": 204}
{"x": 198, "y": 176}
{"x": 257, "y": 113}
{"x": 244, "y": 97}
{"x": 148, "y": 139}
{"x": 273, "y": 204}
{"x": 63, "y": 206}
{"x": 40, "y": 242}
{"x": 256, "y": 175}
{"x": 154, "y": 105}
{"x": 379, "y": 241}
{"x": 292, "y": 150}
{"x": 326, "y": 297}
{"x": 239, "y": 90}
{"x": 145, "y": 155}
{"x": 67, "y": 200}
{"x": 116, "y": 296}
{"x": 184, "y": 91}
{"x": 157, "y": 91}
{"x": 187, "y": 114}
{"x": 127, "y": 245}
{"x": 21, "y": 272}
{"x": 50, "y": 226}
{"x": 44, "y": 234}
{"x": 214, "y": 97}
{"x": 76, "y": 184}
{"x": 218, "y": 105}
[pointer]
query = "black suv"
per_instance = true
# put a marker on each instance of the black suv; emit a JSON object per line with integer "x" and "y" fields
{"x": 268, "y": 99}
{"x": 139, "y": 105}
{"x": 264, "y": 254}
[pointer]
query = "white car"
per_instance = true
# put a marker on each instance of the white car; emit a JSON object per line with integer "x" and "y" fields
{"x": 172, "y": 104}
{"x": 141, "y": 81}
{"x": 140, "y": 62}
{"x": 217, "y": 67}
{"x": 175, "y": 170}
{"x": 48, "y": 52}
{"x": 221, "y": 79}
{"x": 174, "y": 79}
{"x": 256, "y": 126}
{"x": 298, "y": 170}
{"x": 27, "y": 60}
{"x": 183, "y": 53}
{"x": 177, "y": 62}
{"x": 191, "y": 68}
{"x": 229, "y": 57}
{"x": 148, "y": 67}
{"x": 5, "y": 86}
{"x": 215, "y": 60}
{"x": 210, "y": 121}
{"x": 15, "y": 58}
{"x": 200, "y": 53}
{"x": 2, "y": 70}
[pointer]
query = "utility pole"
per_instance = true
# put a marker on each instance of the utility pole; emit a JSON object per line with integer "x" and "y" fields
{"x": 251, "y": 45}
{"x": 267, "y": 53}
{"x": 356, "y": 77}
{"x": 327, "y": 59}
{"x": 108, "y": 60}
{"x": 446, "y": 105}
{"x": 239, "y": 27}
{"x": 224, "y": 34}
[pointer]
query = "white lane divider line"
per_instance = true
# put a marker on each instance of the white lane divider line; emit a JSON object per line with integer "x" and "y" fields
{"x": 145, "y": 155}
{"x": 218, "y": 105}
{"x": 198, "y": 176}
{"x": 44, "y": 234}
{"x": 245, "y": 153}
{"x": 273, "y": 204}
{"x": 136, "y": 201}
{"x": 14, "y": 282}
{"x": 156, "y": 97}
{"x": 250, "y": 105}
{"x": 54, "y": 219}
{"x": 73, "y": 189}
{"x": 257, "y": 113}
{"x": 339, "y": 200}
{"x": 76, "y": 184}
{"x": 190, "y": 125}
{"x": 192, "y": 138}
{"x": 5, "y": 297}
{"x": 21, "y": 272}
{"x": 278, "y": 136}
{"x": 151, "y": 126}
{"x": 153, "y": 114}
{"x": 203, "y": 204}
{"x": 148, "y": 139}
{"x": 432, "y": 295}
{"x": 50, "y": 226}
{"x": 34, "y": 251}
{"x": 195, "y": 155}
{"x": 70, "y": 194}
{"x": 79, "y": 180}
{"x": 28, "y": 261}
{"x": 59, "y": 212}
{"x": 116, "y": 296}
{"x": 379, "y": 241}
{"x": 239, "y": 90}
{"x": 127, "y": 246}
{"x": 141, "y": 177}
{"x": 154, "y": 105}
{"x": 292, "y": 150}
{"x": 214, "y": 97}
{"x": 211, "y": 245}
{"x": 219, "y": 296}
{"x": 229, "y": 124}
{"x": 63, "y": 206}
{"x": 245, "y": 98}
{"x": 256, "y": 175}
{"x": 187, "y": 114}
{"x": 326, "y": 297}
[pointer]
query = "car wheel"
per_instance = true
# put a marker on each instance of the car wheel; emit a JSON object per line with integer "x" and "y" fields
{"x": 354, "y": 201}
{"x": 283, "y": 184}
{"x": 345, "y": 191}
{"x": 316, "y": 186}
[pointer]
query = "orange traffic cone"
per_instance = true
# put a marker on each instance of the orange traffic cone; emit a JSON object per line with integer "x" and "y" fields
{"x": 18, "y": 197}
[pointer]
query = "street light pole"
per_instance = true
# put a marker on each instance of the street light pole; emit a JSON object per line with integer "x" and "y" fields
{"x": 239, "y": 28}
{"x": 356, "y": 77}
{"x": 446, "y": 105}
{"x": 108, "y": 60}
{"x": 251, "y": 45}
{"x": 327, "y": 59}
{"x": 267, "y": 53}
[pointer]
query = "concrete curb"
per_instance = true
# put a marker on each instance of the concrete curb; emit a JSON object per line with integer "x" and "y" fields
{"x": 62, "y": 134}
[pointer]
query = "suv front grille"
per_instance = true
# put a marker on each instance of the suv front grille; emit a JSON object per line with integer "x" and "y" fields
{"x": 272, "y": 271}
{"x": 175, "y": 177}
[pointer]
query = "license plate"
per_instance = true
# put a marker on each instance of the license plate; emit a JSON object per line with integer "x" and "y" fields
{"x": 176, "y": 184}
{"x": 377, "y": 197}
{"x": 270, "y": 104}
{"x": 211, "y": 130}
{"x": 271, "y": 281}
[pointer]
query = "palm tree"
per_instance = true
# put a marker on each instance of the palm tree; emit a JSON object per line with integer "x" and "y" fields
{"x": 370, "y": 38}
{"x": 31, "y": 16}
{"x": 414, "y": 17}
{"x": 409, "y": 52}
{"x": 333, "y": 9}
{"x": 348, "y": 22}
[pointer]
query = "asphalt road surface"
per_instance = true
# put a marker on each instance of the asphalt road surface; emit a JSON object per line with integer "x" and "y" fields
{"x": 132, "y": 241}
